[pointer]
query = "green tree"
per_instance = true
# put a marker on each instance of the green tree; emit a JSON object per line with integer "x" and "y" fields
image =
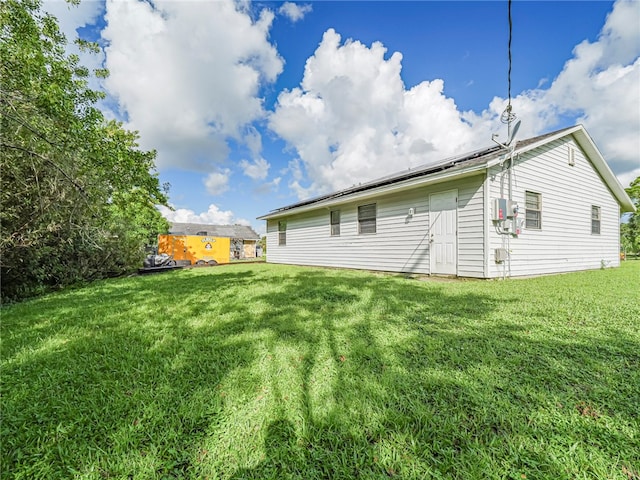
{"x": 630, "y": 231}
{"x": 77, "y": 196}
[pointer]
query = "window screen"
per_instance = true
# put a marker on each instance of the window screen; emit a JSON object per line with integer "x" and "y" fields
{"x": 335, "y": 222}
{"x": 595, "y": 219}
{"x": 282, "y": 233}
{"x": 367, "y": 218}
{"x": 533, "y": 210}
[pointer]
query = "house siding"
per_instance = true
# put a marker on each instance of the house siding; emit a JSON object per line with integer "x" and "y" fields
{"x": 471, "y": 220}
{"x": 565, "y": 242}
{"x": 401, "y": 242}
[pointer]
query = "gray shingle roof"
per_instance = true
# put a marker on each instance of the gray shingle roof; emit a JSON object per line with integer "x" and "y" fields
{"x": 230, "y": 231}
{"x": 465, "y": 160}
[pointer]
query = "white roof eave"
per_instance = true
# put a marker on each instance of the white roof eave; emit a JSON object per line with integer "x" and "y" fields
{"x": 377, "y": 191}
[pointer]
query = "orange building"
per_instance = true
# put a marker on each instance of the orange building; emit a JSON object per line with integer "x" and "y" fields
{"x": 197, "y": 244}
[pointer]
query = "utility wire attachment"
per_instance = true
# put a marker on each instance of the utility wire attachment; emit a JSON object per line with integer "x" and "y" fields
{"x": 508, "y": 116}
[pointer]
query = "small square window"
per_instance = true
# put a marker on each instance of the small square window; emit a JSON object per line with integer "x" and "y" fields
{"x": 595, "y": 220}
{"x": 533, "y": 210}
{"x": 335, "y": 222}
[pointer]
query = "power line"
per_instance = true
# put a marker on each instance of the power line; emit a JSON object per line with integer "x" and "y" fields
{"x": 510, "y": 37}
{"x": 508, "y": 116}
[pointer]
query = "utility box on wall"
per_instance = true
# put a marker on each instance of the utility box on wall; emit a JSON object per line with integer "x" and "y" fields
{"x": 504, "y": 209}
{"x": 499, "y": 209}
{"x": 501, "y": 255}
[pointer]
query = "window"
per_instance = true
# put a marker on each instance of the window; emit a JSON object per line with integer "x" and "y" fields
{"x": 335, "y": 222}
{"x": 595, "y": 219}
{"x": 533, "y": 210}
{"x": 282, "y": 233}
{"x": 367, "y": 218}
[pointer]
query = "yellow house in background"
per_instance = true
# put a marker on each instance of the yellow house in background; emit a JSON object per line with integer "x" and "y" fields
{"x": 195, "y": 248}
{"x": 191, "y": 243}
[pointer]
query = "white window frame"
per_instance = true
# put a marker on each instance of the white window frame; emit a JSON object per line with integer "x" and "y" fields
{"x": 335, "y": 226}
{"x": 533, "y": 221}
{"x": 367, "y": 223}
{"x": 282, "y": 233}
{"x": 596, "y": 220}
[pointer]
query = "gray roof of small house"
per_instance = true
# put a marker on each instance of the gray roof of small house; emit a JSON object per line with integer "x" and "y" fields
{"x": 231, "y": 231}
{"x": 465, "y": 162}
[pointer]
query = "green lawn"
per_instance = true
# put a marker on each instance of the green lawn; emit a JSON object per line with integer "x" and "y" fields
{"x": 264, "y": 371}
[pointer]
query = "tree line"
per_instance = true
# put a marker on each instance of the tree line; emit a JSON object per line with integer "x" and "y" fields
{"x": 77, "y": 196}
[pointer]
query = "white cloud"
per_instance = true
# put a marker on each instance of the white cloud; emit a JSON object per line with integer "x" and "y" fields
{"x": 352, "y": 119}
{"x": 257, "y": 170}
{"x": 213, "y": 216}
{"x": 253, "y": 140}
{"x": 188, "y": 75}
{"x": 294, "y": 11}
{"x": 599, "y": 86}
{"x": 217, "y": 182}
{"x": 268, "y": 187}
{"x": 626, "y": 178}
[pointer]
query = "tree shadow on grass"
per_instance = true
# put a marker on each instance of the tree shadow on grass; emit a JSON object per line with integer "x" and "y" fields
{"x": 121, "y": 367}
{"x": 365, "y": 377}
{"x": 425, "y": 383}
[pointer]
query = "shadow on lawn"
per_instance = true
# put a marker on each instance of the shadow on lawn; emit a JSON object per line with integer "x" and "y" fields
{"x": 116, "y": 368}
{"x": 368, "y": 376}
{"x": 442, "y": 399}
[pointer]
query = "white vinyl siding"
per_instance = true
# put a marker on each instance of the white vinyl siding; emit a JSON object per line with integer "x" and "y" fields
{"x": 470, "y": 226}
{"x": 564, "y": 243}
{"x": 401, "y": 241}
{"x": 573, "y": 217}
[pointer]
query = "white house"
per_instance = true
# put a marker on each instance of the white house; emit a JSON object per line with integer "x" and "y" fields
{"x": 548, "y": 204}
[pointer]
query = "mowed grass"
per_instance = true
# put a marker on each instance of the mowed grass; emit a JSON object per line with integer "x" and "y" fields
{"x": 264, "y": 371}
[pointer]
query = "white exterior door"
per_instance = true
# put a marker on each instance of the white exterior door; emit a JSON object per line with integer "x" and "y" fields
{"x": 443, "y": 208}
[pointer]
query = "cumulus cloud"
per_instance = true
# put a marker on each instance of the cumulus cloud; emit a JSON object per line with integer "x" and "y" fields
{"x": 187, "y": 75}
{"x": 599, "y": 86}
{"x": 268, "y": 187}
{"x": 352, "y": 118}
{"x": 294, "y": 11}
{"x": 601, "y": 83}
{"x": 258, "y": 169}
{"x": 217, "y": 182}
{"x": 213, "y": 216}
{"x": 627, "y": 177}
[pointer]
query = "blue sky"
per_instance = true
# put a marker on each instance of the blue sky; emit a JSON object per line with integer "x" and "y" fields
{"x": 255, "y": 105}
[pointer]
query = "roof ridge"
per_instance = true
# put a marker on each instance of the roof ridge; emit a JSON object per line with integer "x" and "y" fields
{"x": 420, "y": 170}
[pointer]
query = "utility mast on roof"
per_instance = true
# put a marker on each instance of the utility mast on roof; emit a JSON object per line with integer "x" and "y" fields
{"x": 508, "y": 116}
